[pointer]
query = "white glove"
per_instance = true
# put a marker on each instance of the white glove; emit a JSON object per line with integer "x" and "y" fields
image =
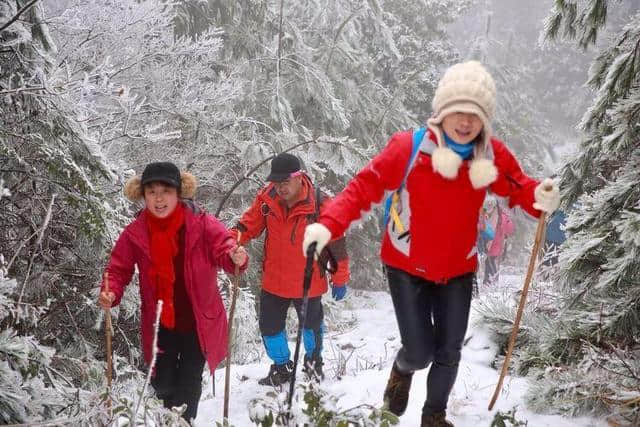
{"x": 318, "y": 233}
{"x": 547, "y": 196}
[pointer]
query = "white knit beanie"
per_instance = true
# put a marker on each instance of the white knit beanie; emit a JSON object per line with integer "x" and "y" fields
{"x": 466, "y": 87}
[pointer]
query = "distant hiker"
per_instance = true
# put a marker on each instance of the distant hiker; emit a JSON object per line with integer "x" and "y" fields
{"x": 284, "y": 208}
{"x": 178, "y": 249}
{"x": 429, "y": 247}
{"x": 555, "y": 237}
{"x": 500, "y": 221}
{"x": 486, "y": 233}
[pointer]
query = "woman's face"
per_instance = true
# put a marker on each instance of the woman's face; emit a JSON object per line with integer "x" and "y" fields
{"x": 462, "y": 127}
{"x": 160, "y": 199}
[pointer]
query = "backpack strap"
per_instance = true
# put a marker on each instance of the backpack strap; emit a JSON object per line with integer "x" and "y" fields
{"x": 392, "y": 200}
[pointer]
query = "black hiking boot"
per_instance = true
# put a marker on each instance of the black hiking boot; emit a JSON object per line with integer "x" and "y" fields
{"x": 396, "y": 395}
{"x": 439, "y": 419}
{"x": 313, "y": 368}
{"x": 278, "y": 375}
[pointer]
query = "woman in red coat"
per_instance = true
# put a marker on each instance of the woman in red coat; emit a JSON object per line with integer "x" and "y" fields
{"x": 178, "y": 250}
{"x": 429, "y": 248}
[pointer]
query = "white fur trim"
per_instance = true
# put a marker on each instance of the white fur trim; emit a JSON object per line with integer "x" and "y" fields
{"x": 482, "y": 172}
{"x": 446, "y": 162}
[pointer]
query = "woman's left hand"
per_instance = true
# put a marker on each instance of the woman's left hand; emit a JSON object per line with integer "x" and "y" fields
{"x": 238, "y": 255}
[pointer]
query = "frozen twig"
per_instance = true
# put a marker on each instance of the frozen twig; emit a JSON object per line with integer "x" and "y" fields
{"x": 154, "y": 353}
{"x": 43, "y": 227}
{"x": 17, "y": 15}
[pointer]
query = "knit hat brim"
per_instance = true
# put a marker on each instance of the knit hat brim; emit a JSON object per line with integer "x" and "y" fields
{"x": 482, "y": 171}
{"x": 469, "y": 107}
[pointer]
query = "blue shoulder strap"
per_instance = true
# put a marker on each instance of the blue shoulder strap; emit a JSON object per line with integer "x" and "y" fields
{"x": 417, "y": 140}
{"x": 418, "y": 135}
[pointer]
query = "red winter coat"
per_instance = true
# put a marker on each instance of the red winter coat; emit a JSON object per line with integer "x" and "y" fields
{"x": 443, "y": 213}
{"x": 207, "y": 243}
{"x": 283, "y": 262}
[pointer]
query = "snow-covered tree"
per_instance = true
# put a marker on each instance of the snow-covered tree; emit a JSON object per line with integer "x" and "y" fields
{"x": 58, "y": 219}
{"x": 330, "y": 81}
{"x": 587, "y": 345}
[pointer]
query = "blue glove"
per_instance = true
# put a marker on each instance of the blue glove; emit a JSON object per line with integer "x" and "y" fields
{"x": 338, "y": 291}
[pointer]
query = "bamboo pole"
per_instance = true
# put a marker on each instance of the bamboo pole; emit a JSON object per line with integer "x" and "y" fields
{"x": 232, "y": 309}
{"x": 523, "y": 299}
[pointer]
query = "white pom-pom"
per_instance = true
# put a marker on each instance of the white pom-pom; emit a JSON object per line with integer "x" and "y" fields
{"x": 482, "y": 172}
{"x": 446, "y": 162}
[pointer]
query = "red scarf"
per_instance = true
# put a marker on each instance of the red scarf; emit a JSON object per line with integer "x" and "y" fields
{"x": 163, "y": 234}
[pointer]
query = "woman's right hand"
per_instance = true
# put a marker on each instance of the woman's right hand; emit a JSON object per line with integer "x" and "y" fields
{"x": 105, "y": 300}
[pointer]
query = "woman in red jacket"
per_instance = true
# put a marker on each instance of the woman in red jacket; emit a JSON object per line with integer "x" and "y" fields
{"x": 429, "y": 247}
{"x": 178, "y": 250}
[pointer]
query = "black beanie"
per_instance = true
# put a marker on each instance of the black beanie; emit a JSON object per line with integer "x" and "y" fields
{"x": 282, "y": 166}
{"x": 165, "y": 172}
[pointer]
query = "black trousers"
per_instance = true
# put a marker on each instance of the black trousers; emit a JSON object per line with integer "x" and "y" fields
{"x": 272, "y": 321}
{"x": 178, "y": 373}
{"x": 432, "y": 320}
{"x": 490, "y": 270}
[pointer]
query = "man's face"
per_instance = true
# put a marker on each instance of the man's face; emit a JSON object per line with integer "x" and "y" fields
{"x": 462, "y": 127}
{"x": 289, "y": 189}
{"x": 160, "y": 199}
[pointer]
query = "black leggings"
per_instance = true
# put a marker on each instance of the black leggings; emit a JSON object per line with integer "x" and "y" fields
{"x": 178, "y": 373}
{"x": 490, "y": 270}
{"x": 432, "y": 320}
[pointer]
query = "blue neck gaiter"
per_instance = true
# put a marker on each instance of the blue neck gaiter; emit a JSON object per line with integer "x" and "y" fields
{"x": 463, "y": 150}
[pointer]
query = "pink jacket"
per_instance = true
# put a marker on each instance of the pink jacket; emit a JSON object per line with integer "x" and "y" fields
{"x": 207, "y": 242}
{"x": 505, "y": 229}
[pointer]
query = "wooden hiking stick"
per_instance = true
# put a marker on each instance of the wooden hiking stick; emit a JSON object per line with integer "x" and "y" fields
{"x": 107, "y": 334}
{"x": 232, "y": 309}
{"x": 523, "y": 299}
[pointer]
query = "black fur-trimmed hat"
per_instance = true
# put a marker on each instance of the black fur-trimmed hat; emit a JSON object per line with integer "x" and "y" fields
{"x": 165, "y": 172}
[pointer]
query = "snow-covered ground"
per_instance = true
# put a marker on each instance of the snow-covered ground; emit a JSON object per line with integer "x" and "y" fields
{"x": 369, "y": 349}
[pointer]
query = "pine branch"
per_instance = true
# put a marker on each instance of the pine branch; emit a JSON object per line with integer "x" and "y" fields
{"x": 256, "y": 167}
{"x": 17, "y": 15}
{"x": 43, "y": 227}
{"x": 335, "y": 38}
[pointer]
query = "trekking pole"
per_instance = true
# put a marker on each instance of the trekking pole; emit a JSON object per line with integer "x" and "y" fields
{"x": 232, "y": 309}
{"x": 523, "y": 299}
{"x": 306, "y": 284}
{"x": 107, "y": 333}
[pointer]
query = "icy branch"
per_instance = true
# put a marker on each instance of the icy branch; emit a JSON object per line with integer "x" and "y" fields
{"x": 154, "y": 353}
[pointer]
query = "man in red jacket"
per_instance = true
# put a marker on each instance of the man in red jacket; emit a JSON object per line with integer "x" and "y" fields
{"x": 429, "y": 248}
{"x": 284, "y": 208}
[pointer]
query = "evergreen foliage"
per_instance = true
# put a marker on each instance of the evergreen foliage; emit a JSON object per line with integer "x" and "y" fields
{"x": 317, "y": 408}
{"x": 584, "y": 354}
{"x": 59, "y": 218}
